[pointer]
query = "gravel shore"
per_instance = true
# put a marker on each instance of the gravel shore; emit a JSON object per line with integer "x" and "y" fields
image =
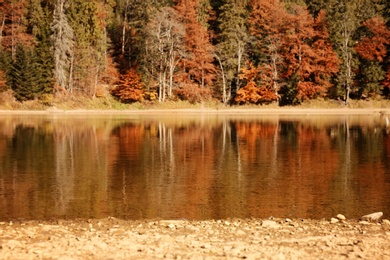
{"x": 113, "y": 238}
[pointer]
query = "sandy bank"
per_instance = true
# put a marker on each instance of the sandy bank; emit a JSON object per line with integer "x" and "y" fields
{"x": 182, "y": 239}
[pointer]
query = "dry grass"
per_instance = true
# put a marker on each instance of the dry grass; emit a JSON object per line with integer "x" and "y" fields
{"x": 8, "y": 102}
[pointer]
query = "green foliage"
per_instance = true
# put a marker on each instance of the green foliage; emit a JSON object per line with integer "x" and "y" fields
{"x": 24, "y": 81}
{"x": 39, "y": 22}
{"x": 368, "y": 78}
{"x": 87, "y": 19}
{"x": 232, "y": 41}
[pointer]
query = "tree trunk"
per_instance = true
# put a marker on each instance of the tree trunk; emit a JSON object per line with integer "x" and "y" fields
{"x": 224, "y": 94}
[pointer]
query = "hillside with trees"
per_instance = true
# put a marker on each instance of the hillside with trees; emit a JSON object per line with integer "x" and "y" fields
{"x": 231, "y": 51}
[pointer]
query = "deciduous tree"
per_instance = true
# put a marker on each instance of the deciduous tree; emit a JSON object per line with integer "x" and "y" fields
{"x": 63, "y": 42}
{"x": 270, "y": 23}
{"x": 372, "y": 49}
{"x": 165, "y": 46}
{"x": 129, "y": 88}
{"x": 198, "y": 65}
{"x": 310, "y": 59}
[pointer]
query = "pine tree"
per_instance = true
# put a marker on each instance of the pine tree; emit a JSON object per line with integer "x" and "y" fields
{"x": 231, "y": 49}
{"x": 39, "y": 22}
{"x": 90, "y": 45}
{"x": 24, "y": 81}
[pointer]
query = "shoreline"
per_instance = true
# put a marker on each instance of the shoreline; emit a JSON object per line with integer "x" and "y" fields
{"x": 203, "y": 111}
{"x": 112, "y": 238}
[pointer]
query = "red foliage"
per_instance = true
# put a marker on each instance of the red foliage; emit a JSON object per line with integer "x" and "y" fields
{"x": 198, "y": 64}
{"x": 375, "y": 47}
{"x": 129, "y": 88}
{"x": 319, "y": 61}
{"x": 13, "y": 29}
{"x": 193, "y": 93}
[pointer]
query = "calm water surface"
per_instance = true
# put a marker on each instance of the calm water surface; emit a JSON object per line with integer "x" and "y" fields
{"x": 193, "y": 167}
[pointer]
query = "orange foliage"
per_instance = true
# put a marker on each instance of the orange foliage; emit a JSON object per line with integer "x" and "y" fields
{"x": 129, "y": 88}
{"x": 251, "y": 134}
{"x": 317, "y": 60}
{"x": 198, "y": 65}
{"x": 251, "y": 93}
{"x": 375, "y": 47}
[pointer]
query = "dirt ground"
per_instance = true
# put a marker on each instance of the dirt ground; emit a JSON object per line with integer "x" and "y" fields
{"x": 113, "y": 238}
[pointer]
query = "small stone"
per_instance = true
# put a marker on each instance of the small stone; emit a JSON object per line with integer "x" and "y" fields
{"x": 334, "y": 220}
{"x": 270, "y": 224}
{"x": 373, "y": 216}
{"x": 288, "y": 220}
{"x": 386, "y": 222}
{"x": 241, "y": 233}
{"x": 341, "y": 217}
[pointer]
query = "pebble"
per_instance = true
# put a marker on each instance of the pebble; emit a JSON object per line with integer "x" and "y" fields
{"x": 373, "y": 216}
{"x": 334, "y": 220}
{"x": 270, "y": 224}
{"x": 386, "y": 222}
{"x": 341, "y": 217}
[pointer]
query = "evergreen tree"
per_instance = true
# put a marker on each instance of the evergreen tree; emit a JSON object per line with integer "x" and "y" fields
{"x": 232, "y": 41}
{"x": 24, "y": 81}
{"x": 39, "y": 21}
{"x": 90, "y": 45}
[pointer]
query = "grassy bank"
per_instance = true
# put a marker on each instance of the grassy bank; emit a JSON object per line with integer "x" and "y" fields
{"x": 8, "y": 102}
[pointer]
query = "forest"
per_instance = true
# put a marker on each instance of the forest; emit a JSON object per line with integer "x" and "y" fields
{"x": 233, "y": 51}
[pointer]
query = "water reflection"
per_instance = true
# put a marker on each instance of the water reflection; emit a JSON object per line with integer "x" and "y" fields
{"x": 194, "y": 167}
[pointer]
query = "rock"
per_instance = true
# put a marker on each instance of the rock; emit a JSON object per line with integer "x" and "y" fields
{"x": 373, "y": 216}
{"x": 240, "y": 233}
{"x": 341, "y": 217}
{"x": 386, "y": 222}
{"x": 334, "y": 220}
{"x": 270, "y": 224}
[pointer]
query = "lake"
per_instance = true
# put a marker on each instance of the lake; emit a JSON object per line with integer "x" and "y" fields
{"x": 205, "y": 166}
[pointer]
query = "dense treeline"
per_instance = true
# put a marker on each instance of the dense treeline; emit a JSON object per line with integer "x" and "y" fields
{"x": 235, "y": 51}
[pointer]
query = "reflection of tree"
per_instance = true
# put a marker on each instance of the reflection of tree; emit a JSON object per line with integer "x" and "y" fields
{"x": 80, "y": 169}
{"x": 26, "y": 168}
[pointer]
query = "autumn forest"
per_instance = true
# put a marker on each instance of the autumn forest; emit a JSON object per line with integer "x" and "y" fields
{"x": 233, "y": 51}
